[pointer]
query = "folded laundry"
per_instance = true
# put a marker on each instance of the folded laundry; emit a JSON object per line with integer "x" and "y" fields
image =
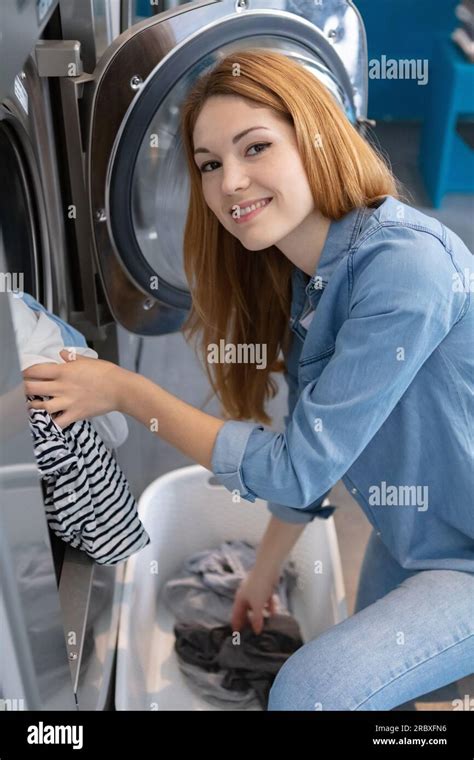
{"x": 40, "y": 337}
{"x": 247, "y": 661}
{"x": 87, "y": 500}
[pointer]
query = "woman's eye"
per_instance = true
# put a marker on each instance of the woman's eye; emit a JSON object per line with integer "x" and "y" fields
{"x": 203, "y": 167}
{"x": 257, "y": 145}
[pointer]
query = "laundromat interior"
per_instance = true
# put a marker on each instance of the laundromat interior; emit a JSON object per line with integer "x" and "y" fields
{"x": 92, "y": 215}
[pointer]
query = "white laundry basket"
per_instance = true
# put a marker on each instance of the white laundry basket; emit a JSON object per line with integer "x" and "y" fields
{"x": 186, "y": 511}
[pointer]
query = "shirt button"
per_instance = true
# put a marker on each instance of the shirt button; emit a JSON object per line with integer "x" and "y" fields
{"x": 353, "y": 490}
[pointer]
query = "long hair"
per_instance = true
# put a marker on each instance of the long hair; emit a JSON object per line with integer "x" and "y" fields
{"x": 245, "y": 299}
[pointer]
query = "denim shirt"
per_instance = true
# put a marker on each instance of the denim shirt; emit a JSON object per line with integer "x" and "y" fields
{"x": 380, "y": 390}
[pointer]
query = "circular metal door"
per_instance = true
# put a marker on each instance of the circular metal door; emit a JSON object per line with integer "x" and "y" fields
{"x": 139, "y": 192}
{"x": 19, "y": 214}
{"x": 31, "y": 204}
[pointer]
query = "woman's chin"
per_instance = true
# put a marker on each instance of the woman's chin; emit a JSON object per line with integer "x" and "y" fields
{"x": 258, "y": 244}
{"x": 253, "y": 242}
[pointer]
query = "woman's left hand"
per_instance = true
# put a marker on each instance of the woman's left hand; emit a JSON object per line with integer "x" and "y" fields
{"x": 79, "y": 389}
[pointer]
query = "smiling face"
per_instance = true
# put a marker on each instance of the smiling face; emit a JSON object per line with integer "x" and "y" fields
{"x": 252, "y": 175}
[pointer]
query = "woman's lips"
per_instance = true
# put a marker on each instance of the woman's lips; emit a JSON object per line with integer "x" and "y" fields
{"x": 251, "y": 214}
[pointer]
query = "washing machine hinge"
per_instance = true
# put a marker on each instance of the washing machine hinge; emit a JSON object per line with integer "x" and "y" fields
{"x": 59, "y": 58}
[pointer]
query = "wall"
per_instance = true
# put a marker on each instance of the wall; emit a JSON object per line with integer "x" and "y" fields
{"x": 403, "y": 29}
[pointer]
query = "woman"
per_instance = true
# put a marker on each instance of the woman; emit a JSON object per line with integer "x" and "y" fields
{"x": 297, "y": 240}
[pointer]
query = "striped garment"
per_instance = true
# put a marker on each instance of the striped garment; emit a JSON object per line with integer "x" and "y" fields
{"x": 87, "y": 499}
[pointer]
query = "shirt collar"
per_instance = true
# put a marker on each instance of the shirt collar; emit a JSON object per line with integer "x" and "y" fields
{"x": 341, "y": 236}
{"x": 339, "y": 239}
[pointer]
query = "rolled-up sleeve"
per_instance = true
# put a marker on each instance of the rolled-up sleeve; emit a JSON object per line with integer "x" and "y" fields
{"x": 290, "y": 514}
{"x": 402, "y": 305}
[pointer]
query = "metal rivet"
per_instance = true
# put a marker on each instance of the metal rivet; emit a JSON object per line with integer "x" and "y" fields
{"x": 147, "y": 305}
{"x": 136, "y": 82}
{"x": 332, "y": 33}
{"x": 241, "y": 5}
{"x": 353, "y": 490}
{"x": 99, "y": 215}
{"x": 73, "y": 655}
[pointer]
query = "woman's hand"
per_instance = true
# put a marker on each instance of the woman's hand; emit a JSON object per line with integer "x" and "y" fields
{"x": 254, "y": 594}
{"x": 82, "y": 387}
{"x": 256, "y": 590}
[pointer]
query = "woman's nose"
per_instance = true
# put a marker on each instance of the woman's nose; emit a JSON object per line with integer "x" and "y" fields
{"x": 234, "y": 178}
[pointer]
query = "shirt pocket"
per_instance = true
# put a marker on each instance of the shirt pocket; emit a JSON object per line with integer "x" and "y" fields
{"x": 311, "y": 367}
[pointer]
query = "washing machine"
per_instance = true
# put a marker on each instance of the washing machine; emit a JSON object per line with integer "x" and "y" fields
{"x": 34, "y": 669}
{"x": 97, "y": 217}
{"x": 55, "y": 604}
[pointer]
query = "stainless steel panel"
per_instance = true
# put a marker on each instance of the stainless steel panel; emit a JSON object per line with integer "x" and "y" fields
{"x": 29, "y": 592}
{"x": 78, "y": 23}
{"x": 34, "y": 132}
{"x": 21, "y": 24}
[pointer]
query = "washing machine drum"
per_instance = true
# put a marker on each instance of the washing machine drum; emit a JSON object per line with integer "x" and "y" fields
{"x": 138, "y": 192}
{"x": 18, "y": 215}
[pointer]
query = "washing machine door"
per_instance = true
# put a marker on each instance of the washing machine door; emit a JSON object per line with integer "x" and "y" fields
{"x": 139, "y": 192}
{"x": 19, "y": 231}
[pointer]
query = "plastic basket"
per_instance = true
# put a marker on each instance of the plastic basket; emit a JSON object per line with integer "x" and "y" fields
{"x": 186, "y": 511}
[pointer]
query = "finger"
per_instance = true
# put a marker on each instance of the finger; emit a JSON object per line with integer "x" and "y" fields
{"x": 51, "y": 406}
{"x": 239, "y": 614}
{"x": 256, "y": 620}
{"x": 41, "y": 388}
{"x": 64, "y": 420}
{"x": 36, "y": 404}
{"x": 273, "y": 604}
{"x": 42, "y": 372}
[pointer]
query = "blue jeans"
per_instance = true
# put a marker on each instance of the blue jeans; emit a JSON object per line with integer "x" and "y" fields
{"x": 411, "y": 632}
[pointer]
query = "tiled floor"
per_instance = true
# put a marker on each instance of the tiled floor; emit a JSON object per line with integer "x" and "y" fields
{"x": 171, "y": 363}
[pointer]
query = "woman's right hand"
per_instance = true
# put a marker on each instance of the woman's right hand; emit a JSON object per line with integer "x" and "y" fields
{"x": 254, "y": 594}
{"x": 77, "y": 389}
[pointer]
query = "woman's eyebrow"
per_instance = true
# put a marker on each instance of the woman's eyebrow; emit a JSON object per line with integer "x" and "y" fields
{"x": 234, "y": 139}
